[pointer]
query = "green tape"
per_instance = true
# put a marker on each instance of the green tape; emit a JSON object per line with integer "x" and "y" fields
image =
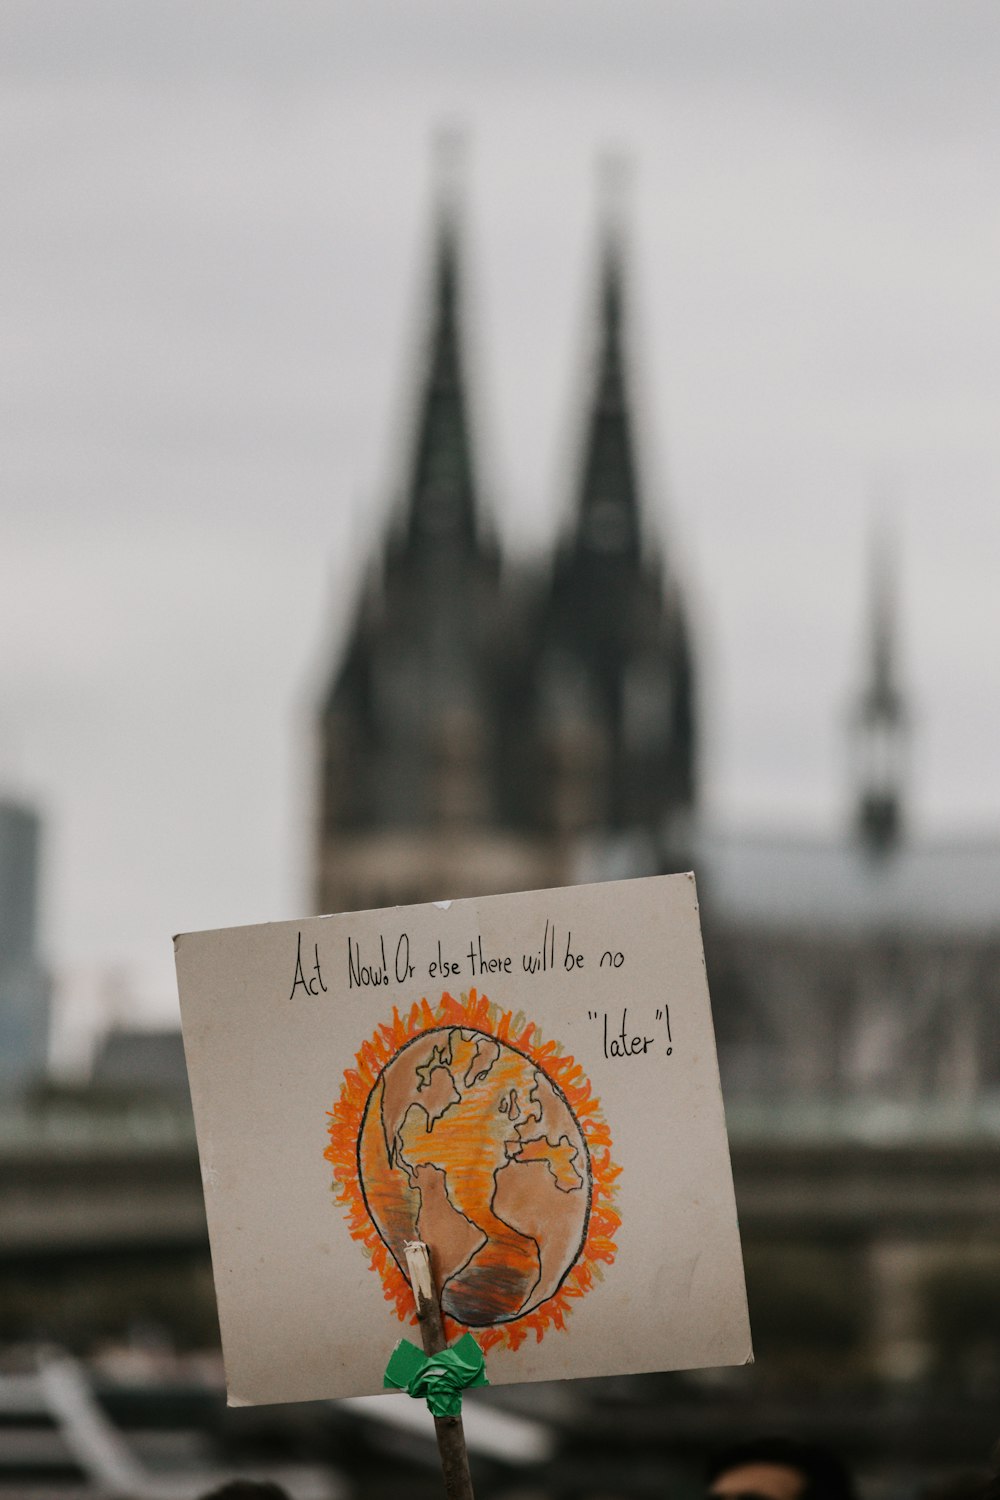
{"x": 438, "y": 1379}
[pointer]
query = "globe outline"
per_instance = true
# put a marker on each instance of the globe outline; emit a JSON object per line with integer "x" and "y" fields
{"x": 588, "y": 1185}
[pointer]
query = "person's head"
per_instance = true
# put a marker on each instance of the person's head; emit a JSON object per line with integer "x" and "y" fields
{"x": 778, "y": 1469}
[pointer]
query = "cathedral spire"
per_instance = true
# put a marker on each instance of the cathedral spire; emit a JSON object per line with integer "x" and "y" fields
{"x": 408, "y": 731}
{"x": 618, "y": 698}
{"x": 881, "y": 720}
{"x": 607, "y": 519}
{"x": 441, "y": 507}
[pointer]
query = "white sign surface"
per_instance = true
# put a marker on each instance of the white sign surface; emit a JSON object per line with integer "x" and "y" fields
{"x": 527, "y": 1082}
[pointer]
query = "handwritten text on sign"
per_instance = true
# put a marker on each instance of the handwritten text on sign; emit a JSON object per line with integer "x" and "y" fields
{"x": 375, "y": 967}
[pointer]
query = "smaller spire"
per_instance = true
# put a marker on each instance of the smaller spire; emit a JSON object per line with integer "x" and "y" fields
{"x": 881, "y": 720}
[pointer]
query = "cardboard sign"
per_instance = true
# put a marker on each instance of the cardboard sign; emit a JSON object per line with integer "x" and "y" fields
{"x": 528, "y": 1083}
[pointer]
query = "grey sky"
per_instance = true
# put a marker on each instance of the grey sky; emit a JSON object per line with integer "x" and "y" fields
{"x": 212, "y": 250}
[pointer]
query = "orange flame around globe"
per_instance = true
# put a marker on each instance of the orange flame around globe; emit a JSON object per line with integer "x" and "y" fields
{"x": 461, "y": 1126}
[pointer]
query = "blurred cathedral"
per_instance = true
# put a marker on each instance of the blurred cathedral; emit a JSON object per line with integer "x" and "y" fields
{"x": 482, "y": 725}
{"x": 493, "y": 729}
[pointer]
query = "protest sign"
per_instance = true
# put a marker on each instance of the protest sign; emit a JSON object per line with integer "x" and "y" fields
{"x": 528, "y": 1083}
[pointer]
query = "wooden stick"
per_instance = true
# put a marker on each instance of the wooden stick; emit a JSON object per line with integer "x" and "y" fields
{"x": 450, "y": 1432}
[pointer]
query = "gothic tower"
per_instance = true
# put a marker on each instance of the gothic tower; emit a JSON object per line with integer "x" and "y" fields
{"x": 411, "y": 727}
{"x": 618, "y": 690}
{"x": 880, "y": 723}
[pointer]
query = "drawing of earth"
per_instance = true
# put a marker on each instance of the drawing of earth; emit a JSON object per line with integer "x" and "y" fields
{"x": 467, "y": 1144}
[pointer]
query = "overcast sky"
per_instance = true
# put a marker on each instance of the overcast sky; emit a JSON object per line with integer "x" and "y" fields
{"x": 213, "y": 253}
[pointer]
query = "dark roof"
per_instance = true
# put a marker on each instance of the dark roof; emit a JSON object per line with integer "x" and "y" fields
{"x": 148, "y": 1060}
{"x": 948, "y": 887}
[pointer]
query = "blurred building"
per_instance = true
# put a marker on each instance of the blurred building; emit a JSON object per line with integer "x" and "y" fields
{"x": 150, "y": 1061}
{"x": 864, "y": 968}
{"x": 484, "y": 724}
{"x": 24, "y": 984}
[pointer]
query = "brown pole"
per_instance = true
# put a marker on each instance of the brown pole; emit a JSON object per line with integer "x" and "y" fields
{"x": 450, "y": 1432}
